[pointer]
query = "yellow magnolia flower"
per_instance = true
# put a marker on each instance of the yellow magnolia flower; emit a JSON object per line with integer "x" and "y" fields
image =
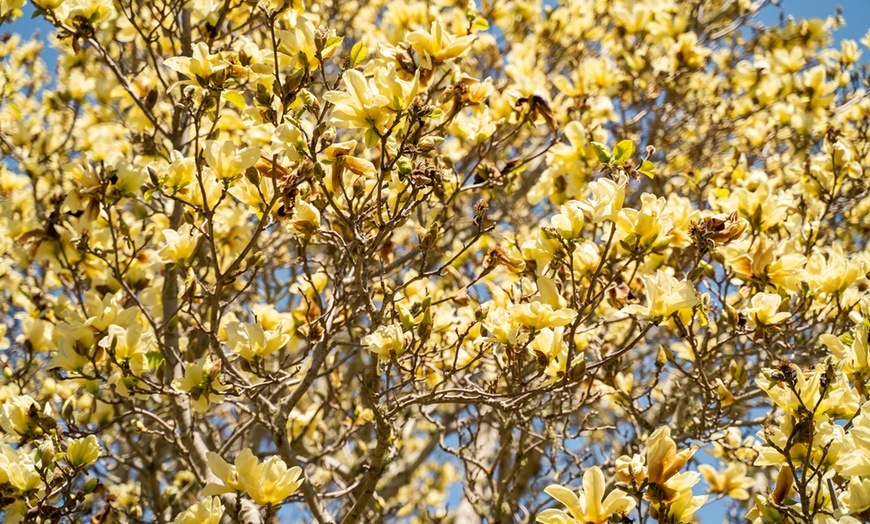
{"x": 589, "y": 506}
{"x": 301, "y": 39}
{"x": 437, "y": 45}
{"x": 764, "y": 310}
{"x": 764, "y": 265}
{"x": 7, "y": 6}
{"x": 683, "y": 508}
{"x": 385, "y": 340}
{"x": 781, "y": 383}
{"x": 499, "y": 325}
{"x": 180, "y": 244}
{"x": 548, "y": 344}
{"x": 268, "y": 482}
{"x": 201, "y": 382}
{"x": 569, "y": 222}
{"x": 94, "y": 11}
{"x": 15, "y": 415}
{"x": 197, "y": 68}
{"x": 855, "y": 357}
{"x": 251, "y": 340}
{"x": 857, "y": 498}
{"x": 663, "y": 466}
{"x": 180, "y": 172}
{"x": 546, "y": 309}
{"x": 74, "y": 343}
{"x": 645, "y": 227}
{"x": 108, "y": 310}
{"x": 665, "y": 295}
{"x": 732, "y": 481}
{"x": 83, "y": 451}
{"x": 305, "y": 219}
{"x": 227, "y": 161}
{"x": 361, "y": 107}
{"x": 605, "y": 199}
{"x": 399, "y": 92}
{"x": 21, "y": 473}
{"x": 129, "y": 346}
{"x": 209, "y": 511}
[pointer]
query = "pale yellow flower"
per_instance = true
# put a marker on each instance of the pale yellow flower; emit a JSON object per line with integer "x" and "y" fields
{"x": 227, "y": 161}
{"x": 15, "y": 415}
{"x": 437, "y": 45}
{"x": 180, "y": 244}
{"x": 665, "y": 295}
{"x": 268, "y": 482}
{"x": 83, "y": 451}
{"x": 385, "y": 340}
{"x": 208, "y": 511}
{"x": 763, "y": 310}
{"x": 251, "y": 340}
{"x": 731, "y": 481}
{"x": 589, "y": 505}
{"x": 361, "y": 107}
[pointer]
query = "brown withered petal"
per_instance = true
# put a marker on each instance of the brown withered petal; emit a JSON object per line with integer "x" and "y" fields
{"x": 723, "y": 229}
{"x": 783, "y": 485}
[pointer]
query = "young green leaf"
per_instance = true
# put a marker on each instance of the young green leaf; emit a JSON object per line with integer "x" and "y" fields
{"x": 358, "y": 53}
{"x": 647, "y": 168}
{"x": 623, "y": 151}
{"x": 602, "y": 152}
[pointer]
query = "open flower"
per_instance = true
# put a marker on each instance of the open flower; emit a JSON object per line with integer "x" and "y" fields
{"x": 589, "y": 506}
{"x": 361, "y": 107}
{"x": 180, "y": 244}
{"x": 129, "y": 346}
{"x": 15, "y": 415}
{"x": 437, "y": 45}
{"x": 197, "y": 68}
{"x": 251, "y": 340}
{"x": 227, "y": 161}
{"x": 201, "y": 382}
{"x": 663, "y": 466}
{"x": 731, "y": 481}
{"x": 764, "y": 310}
{"x": 268, "y": 482}
{"x": 83, "y": 451}
{"x": 386, "y": 340}
{"x": 665, "y": 295}
{"x": 209, "y": 511}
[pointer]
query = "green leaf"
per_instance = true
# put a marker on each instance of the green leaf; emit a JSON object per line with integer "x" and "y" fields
{"x": 333, "y": 41}
{"x": 235, "y": 98}
{"x": 155, "y": 359}
{"x": 623, "y": 151}
{"x": 647, "y": 168}
{"x": 371, "y": 138}
{"x": 480, "y": 24}
{"x": 358, "y": 53}
{"x": 601, "y": 152}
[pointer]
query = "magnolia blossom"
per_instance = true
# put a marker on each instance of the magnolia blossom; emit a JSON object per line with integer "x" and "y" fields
{"x": 268, "y": 482}
{"x": 764, "y": 310}
{"x": 15, "y": 415}
{"x": 180, "y": 244}
{"x": 665, "y": 295}
{"x": 208, "y": 511}
{"x": 589, "y": 505}
{"x": 361, "y": 107}
{"x": 83, "y": 451}
{"x": 251, "y": 340}
{"x": 227, "y": 161}
{"x": 385, "y": 340}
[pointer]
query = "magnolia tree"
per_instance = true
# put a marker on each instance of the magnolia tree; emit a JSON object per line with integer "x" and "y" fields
{"x": 433, "y": 261}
